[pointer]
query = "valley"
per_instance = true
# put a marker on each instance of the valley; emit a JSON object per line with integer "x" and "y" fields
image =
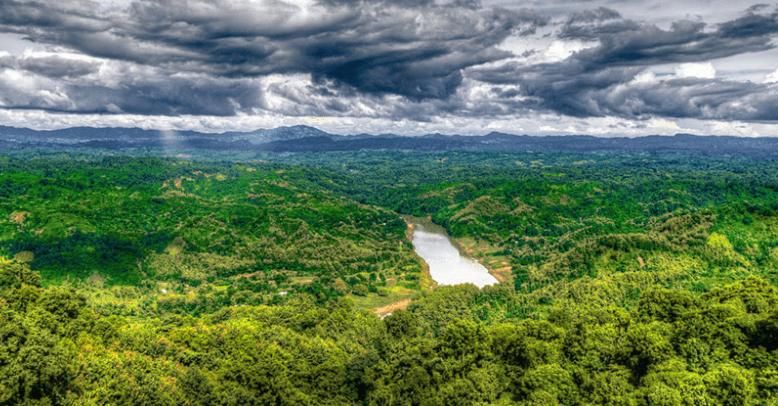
{"x": 626, "y": 278}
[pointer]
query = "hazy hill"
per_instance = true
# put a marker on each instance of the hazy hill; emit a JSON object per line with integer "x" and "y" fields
{"x": 302, "y": 138}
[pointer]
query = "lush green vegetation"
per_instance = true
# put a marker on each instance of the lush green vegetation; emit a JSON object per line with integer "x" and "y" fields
{"x": 630, "y": 280}
{"x": 208, "y": 235}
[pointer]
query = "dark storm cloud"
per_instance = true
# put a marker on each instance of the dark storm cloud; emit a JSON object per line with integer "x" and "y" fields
{"x": 57, "y": 67}
{"x": 590, "y": 16}
{"x": 172, "y": 96}
{"x": 593, "y": 24}
{"x": 627, "y": 43}
{"x": 401, "y": 3}
{"x": 409, "y": 48}
{"x": 7, "y": 61}
{"x": 598, "y": 81}
{"x": 692, "y": 98}
{"x": 211, "y": 57}
{"x": 417, "y": 54}
{"x": 28, "y": 17}
{"x": 471, "y": 4}
{"x": 134, "y": 92}
{"x": 425, "y": 73}
{"x": 751, "y": 25}
{"x": 575, "y": 92}
{"x": 607, "y": 93}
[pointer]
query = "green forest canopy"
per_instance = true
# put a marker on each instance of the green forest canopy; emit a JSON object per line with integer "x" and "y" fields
{"x": 632, "y": 279}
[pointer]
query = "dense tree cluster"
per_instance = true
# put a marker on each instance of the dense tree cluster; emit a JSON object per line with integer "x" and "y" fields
{"x": 209, "y": 234}
{"x": 674, "y": 348}
{"x": 631, "y": 280}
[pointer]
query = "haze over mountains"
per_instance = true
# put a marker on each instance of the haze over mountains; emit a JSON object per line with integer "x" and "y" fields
{"x": 298, "y": 139}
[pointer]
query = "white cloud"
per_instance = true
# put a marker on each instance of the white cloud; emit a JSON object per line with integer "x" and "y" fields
{"x": 772, "y": 78}
{"x": 23, "y": 90}
{"x": 662, "y": 123}
{"x": 15, "y": 44}
{"x": 734, "y": 128}
{"x": 696, "y": 70}
{"x": 532, "y": 124}
{"x": 561, "y": 50}
{"x": 30, "y": 53}
{"x": 645, "y": 77}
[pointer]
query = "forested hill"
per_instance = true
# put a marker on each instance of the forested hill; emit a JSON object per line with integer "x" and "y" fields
{"x": 308, "y": 139}
{"x": 627, "y": 279}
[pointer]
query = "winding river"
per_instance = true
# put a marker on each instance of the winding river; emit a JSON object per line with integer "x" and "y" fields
{"x": 448, "y": 266}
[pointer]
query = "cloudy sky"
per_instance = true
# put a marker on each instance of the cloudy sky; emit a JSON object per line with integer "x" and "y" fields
{"x": 599, "y": 67}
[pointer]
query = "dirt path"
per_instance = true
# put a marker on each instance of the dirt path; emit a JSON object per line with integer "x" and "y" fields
{"x": 385, "y": 310}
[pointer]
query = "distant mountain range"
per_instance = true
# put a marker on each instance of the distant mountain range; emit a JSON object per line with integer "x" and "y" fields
{"x": 299, "y": 139}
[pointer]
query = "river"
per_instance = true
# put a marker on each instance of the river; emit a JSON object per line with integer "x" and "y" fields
{"x": 448, "y": 266}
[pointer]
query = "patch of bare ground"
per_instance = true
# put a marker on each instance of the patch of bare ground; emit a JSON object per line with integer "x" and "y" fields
{"x": 384, "y": 311}
{"x": 501, "y": 274}
{"x": 249, "y": 275}
{"x": 409, "y": 231}
{"x": 18, "y": 217}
